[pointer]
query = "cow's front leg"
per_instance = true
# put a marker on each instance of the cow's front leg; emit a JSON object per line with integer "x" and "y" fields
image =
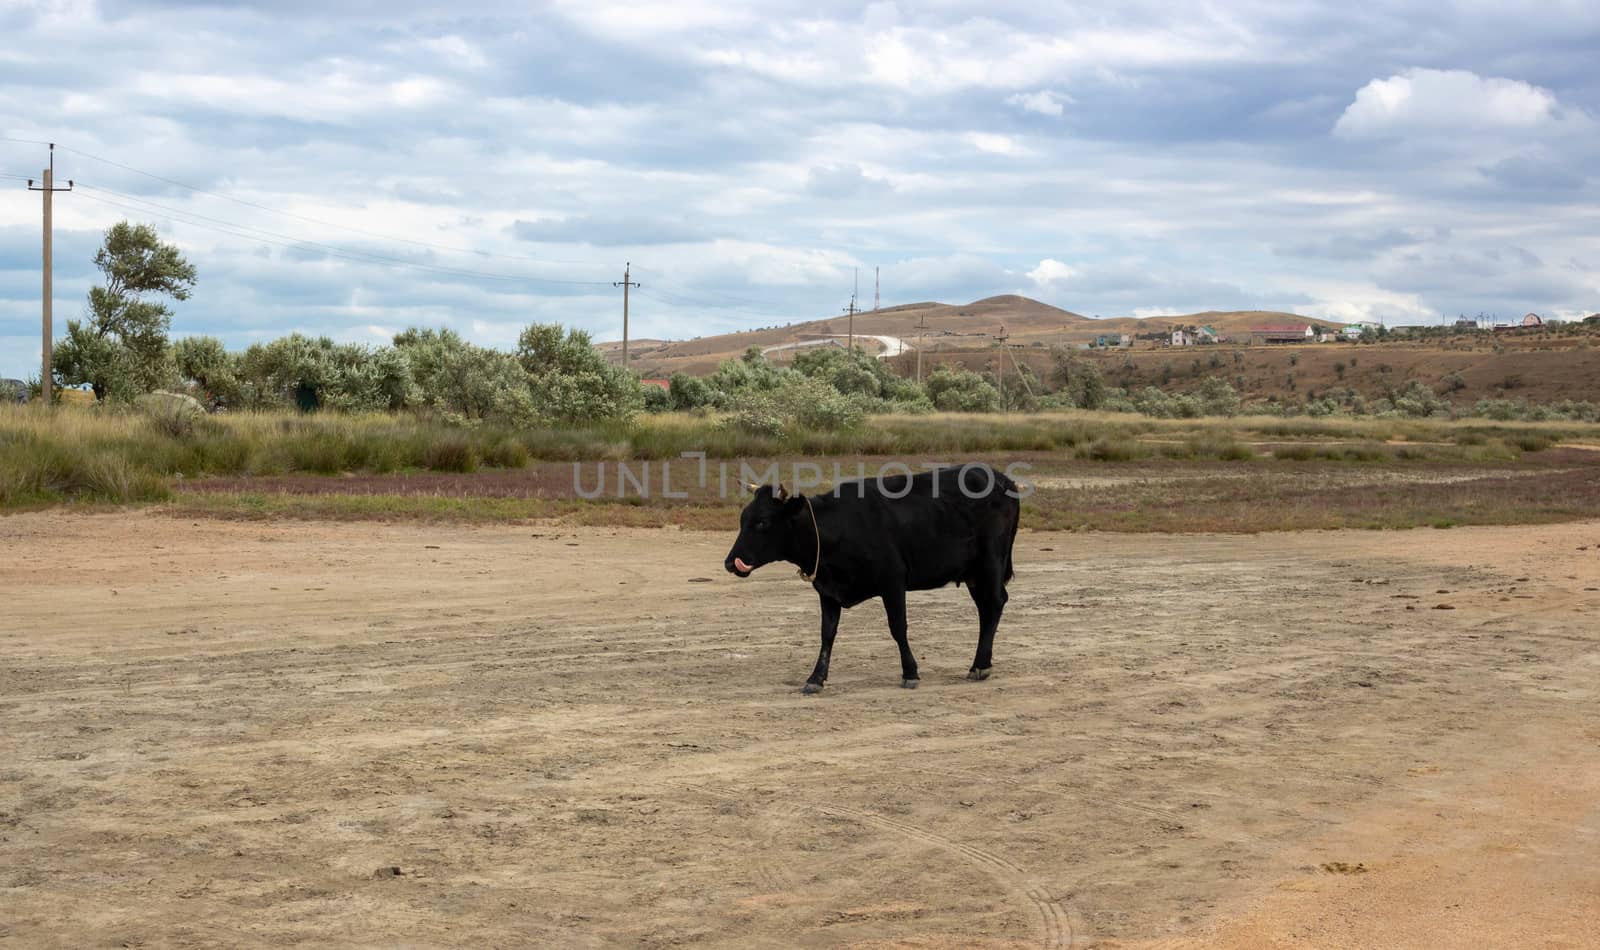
{"x": 894, "y": 604}
{"x": 830, "y": 626}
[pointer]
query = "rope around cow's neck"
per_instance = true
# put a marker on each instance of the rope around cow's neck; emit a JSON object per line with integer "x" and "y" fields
{"x": 818, "y": 533}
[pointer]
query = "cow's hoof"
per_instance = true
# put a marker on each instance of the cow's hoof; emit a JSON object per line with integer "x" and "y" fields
{"x": 910, "y": 684}
{"x": 979, "y": 675}
{"x": 810, "y": 688}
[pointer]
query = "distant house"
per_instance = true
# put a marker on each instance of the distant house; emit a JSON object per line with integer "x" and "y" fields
{"x": 1283, "y": 333}
{"x": 1465, "y": 324}
{"x": 1529, "y": 321}
{"x": 663, "y": 383}
{"x": 1112, "y": 339}
{"x": 1181, "y": 337}
{"x": 1206, "y": 335}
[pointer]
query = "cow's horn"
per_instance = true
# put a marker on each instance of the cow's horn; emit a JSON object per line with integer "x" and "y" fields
{"x": 753, "y": 487}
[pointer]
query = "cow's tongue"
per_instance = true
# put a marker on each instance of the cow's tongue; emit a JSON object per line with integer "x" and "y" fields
{"x": 744, "y": 568}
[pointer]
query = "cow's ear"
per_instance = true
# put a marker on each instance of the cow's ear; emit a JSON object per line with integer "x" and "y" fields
{"x": 781, "y": 493}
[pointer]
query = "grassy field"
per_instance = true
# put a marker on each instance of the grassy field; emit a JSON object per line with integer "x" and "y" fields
{"x": 1094, "y": 471}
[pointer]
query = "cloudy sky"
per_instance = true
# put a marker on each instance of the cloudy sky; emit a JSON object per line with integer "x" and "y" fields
{"x": 353, "y": 168}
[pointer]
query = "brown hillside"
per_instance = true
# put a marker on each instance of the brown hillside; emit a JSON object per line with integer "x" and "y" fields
{"x": 1539, "y": 366}
{"x": 943, "y": 327}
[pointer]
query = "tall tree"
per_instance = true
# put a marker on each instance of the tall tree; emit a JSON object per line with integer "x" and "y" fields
{"x": 122, "y": 348}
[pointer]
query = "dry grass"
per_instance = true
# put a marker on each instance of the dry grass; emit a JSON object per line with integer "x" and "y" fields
{"x": 1265, "y": 501}
{"x": 1152, "y": 494}
{"x": 386, "y": 466}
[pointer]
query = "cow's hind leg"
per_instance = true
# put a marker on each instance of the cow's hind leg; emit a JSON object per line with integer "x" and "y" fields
{"x": 894, "y": 605}
{"x": 989, "y": 594}
{"x": 830, "y": 627}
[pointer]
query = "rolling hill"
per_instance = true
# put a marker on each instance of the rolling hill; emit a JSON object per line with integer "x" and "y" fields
{"x": 942, "y": 328}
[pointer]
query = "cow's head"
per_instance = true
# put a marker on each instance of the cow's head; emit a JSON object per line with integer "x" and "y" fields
{"x": 766, "y": 530}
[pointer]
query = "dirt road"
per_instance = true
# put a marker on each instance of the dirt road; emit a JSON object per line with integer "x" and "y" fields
{"x": 226, "y": 734}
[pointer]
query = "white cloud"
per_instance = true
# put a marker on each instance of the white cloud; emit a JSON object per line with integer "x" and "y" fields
{"x": 338, "y": 95}
{"x": 1051, "y": 270}
{"x": 456, "y": 50}
{"x": 1424, "y": 100}
{"x": 995, "y": 144}
{"x": 1043, "y": 102}
{"x": 800, "y": 141}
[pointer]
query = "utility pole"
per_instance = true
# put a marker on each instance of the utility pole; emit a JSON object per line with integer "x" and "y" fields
{"x": 876, "y": 286}
{"x": 1002, "y": 338}
{"x": 1021, "y": 376}
{"x": 625, "y": 283}
{"x": 852, "y": 311}
{"x": 49, "y": 188}
{"x": 922, "y": 324}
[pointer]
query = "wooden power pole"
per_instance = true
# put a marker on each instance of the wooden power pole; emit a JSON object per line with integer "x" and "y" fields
{"x": 625, "y": 284}
{"x": 1002, "y": 338}
{"x": 48, "y": 189}
{"x": 922, "y": 324}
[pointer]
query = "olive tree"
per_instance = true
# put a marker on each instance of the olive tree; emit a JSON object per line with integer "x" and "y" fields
{"x": 570, "y": 381}
{"x": 121, "y": 349}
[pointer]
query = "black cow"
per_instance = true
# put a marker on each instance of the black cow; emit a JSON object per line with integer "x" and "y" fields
{"x": 881, "y": 538}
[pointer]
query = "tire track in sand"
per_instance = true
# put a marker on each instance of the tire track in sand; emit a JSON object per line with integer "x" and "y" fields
{"x": 1054, "y": 920}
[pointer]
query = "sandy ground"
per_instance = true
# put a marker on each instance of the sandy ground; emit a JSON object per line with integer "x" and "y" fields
{"x": 228, "y": 734}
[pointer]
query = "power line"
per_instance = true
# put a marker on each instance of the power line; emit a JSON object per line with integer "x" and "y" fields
{"x": 292, "y": 242}
{"x": 760, "y": 310}
{"x": 678, "y": 301}
{"x": 682, "y": 301}
{"x": 255, "y": 233}
{"x": 660, "y": 278}
{"x": 330, "y": 251}
{"x": 317, "y": 221}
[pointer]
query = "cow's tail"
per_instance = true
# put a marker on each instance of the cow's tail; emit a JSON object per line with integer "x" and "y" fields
{"x": 1014, "y": 513}
{"x": 1011, "y": 540}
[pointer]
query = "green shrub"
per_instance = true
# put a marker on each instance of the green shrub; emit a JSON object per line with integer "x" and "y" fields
{"x": 1114, "y": 450}
{"x": 451, "y": 452}
{"x": 656, "y": 399}
{"x": 687, "y": 392}
{"x": 505, "y": 453}
{"x": 801, "y": 403}
{"x": 961, "y": 391}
